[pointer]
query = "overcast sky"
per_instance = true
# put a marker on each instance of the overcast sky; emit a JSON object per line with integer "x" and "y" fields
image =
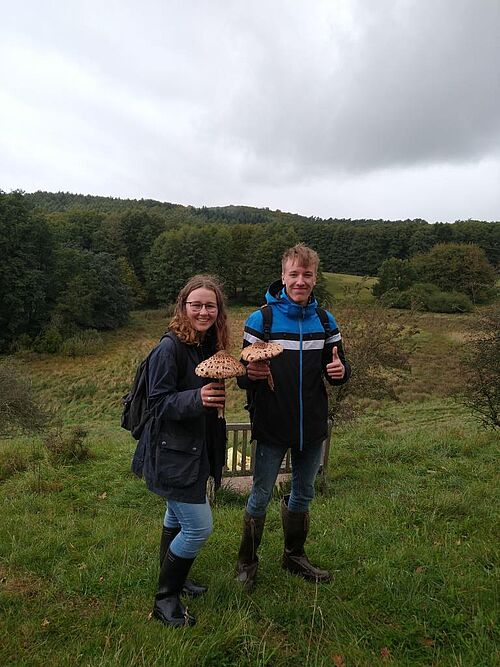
{"x": 334, "y": 108}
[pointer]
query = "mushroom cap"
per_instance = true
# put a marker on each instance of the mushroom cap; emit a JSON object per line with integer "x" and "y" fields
{"x": 259, "y": 351}
{"x": 220, "y": 366}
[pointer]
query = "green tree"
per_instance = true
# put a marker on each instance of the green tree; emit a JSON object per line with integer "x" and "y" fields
{"x": 394, "y": 275}
{"x": 26, "y": 252}
{"x": 269, "y": 243}
{"x": 179, "y": 254}
{"x": 95, "y": 297}
{"x": 457, "y": 267}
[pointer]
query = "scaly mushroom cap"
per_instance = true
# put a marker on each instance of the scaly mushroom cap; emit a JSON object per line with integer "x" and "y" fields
{"x": 261, "y": 351}
{"x": 220, "y": 366}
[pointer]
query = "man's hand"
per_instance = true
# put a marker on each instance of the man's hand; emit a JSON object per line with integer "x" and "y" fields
{"x": 335, "y": 369}
{"x": 258, "y": 370}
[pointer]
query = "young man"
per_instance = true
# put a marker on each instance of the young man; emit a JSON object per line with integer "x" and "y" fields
{"x": 294, "y": 414}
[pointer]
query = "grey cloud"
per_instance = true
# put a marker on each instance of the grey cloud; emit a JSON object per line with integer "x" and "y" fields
{"x": 418, "y": 83}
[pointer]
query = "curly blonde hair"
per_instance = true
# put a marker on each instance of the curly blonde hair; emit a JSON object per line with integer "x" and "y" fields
{"x": 180, "y": 323}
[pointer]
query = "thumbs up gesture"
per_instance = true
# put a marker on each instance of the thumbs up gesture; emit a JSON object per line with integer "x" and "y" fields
{"x": 335, "y": 368}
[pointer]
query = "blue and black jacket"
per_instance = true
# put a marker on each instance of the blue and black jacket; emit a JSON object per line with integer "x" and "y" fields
{"x": 296, "y": 412}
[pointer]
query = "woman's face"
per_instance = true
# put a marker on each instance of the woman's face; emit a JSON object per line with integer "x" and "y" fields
{"x": 201, "y": 309}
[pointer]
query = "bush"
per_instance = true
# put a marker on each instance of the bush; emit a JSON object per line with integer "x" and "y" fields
{"x": 67, "y": 447}
{"x": 428, "y": 297}
{"x": 50, "y": 341}
{"x": 461, "y": 267}
{"x": 449, "y": 302}
{"x": 84, "y": 343}
{"x": 378, "y": 345}
{"x": 481, "y": 363}
{"x": 19, "y": 408}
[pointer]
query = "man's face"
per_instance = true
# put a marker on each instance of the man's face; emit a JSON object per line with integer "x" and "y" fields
{"x": 299, "y": 281}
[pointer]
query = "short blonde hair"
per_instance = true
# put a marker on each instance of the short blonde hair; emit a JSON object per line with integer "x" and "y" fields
{"x": 180, "y": 323}
{"x": 301, "y": 254}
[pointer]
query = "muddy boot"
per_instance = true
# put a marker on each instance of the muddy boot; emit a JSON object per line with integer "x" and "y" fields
{"x": 295, "y": 529}
{"x": 248, "y": 561}
{"x": 190, "y": 589}
{"x": 167, "y": 607}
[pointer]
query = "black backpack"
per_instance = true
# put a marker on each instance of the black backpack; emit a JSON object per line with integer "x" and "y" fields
{"x": 135, "y": 413}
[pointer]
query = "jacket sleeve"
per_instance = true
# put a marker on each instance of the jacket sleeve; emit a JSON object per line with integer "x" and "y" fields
{"x": 335, "y": 340}
{"x": 163, "y": 396}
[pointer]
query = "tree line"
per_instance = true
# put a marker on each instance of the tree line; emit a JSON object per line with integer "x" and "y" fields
{"x": 73, "y": 262}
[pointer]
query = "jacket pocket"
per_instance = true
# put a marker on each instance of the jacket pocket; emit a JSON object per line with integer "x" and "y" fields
{"x": 178, "y": 463}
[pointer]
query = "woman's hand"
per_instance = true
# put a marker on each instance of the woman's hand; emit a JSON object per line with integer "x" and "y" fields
{"x": 258, "y": 370}
{"x": 213, "y": 395}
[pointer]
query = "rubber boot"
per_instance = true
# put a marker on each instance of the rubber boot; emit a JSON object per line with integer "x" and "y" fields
{"x": 189, "y": 589}
{"x": 248, "y": 561}
{"x": 167, "y": 606}
{"x": 295, "y": 529}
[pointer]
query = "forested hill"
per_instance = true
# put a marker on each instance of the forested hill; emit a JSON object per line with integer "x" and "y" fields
{"x": 82, "y": 261}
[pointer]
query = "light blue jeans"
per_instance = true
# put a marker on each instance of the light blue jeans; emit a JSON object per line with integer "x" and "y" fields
{"x": 305, "y": 466}
{"x": 195, "y": 522}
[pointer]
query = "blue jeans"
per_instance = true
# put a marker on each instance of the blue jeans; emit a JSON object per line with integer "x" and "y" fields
{"x": 195, "y": 522}
{"x": 305, "y": 466}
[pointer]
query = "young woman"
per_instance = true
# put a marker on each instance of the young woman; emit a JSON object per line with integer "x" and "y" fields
{"x": 184, "y": 442}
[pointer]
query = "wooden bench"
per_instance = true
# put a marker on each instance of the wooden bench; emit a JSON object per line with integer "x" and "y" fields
{"x": 240, "y": 454}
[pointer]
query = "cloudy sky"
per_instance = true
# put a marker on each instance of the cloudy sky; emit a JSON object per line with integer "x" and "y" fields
{"x": 333, "y": 108}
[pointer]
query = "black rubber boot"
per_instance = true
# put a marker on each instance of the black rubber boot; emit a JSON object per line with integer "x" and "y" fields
{"x": 167, "y": 607}
{"x": 190, "y": 589}
{"x": 295, "y": 529}
{"x": 248, "y": 561}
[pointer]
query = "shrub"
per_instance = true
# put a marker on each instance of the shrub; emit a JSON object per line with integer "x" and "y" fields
{"x": 67, "y": 447}
{"x": 378, "y": 345}
{"x": 50, "y": 341}
{"x": 394, "y": 275}
{"x": 449, "y": 302}
{"x": 481, "y": 364}
{"x": 457, "y": 266}
{"x": 19, "y": 408}
{"x": 84, "y": 343}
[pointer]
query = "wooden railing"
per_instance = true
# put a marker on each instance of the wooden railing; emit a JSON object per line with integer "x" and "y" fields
{"x": 240, "y": 453}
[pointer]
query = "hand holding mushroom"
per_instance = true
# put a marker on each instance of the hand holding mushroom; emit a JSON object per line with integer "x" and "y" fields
{"x": 219, "y": 366}
{"x": 258, "y": 355}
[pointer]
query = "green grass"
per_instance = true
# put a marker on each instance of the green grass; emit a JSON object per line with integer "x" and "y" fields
{"x": 407, "y": 521}
{"x": 341, "y": 286}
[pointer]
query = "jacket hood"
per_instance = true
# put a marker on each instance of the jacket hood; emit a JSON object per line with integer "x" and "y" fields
{"x": 276, "y": 296}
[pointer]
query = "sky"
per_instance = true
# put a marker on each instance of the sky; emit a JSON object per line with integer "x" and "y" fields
{"x": 331, "y": 108}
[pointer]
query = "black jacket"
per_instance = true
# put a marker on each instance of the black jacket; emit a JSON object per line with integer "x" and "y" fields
{"x": 184, "y": 442}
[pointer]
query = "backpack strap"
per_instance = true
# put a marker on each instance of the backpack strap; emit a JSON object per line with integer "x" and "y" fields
{"x": 323, "y": 316}
{"x": 180, "y": 353}
{"x": 267, "y": 321}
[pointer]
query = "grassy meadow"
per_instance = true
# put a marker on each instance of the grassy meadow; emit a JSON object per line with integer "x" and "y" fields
{"x": 406, "y": 520}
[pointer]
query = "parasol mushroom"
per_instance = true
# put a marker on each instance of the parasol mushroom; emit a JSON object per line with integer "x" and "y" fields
{"x": 220, "y": 366}
{"x": 260, "y": 352}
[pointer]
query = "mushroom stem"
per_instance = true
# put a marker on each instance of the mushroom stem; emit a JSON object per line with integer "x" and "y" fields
{"x": 270, "y": 381}
{"x": 220, "y": 411}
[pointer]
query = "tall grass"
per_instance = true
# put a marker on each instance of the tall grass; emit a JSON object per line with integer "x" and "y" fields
{"x": 407, "y": 523}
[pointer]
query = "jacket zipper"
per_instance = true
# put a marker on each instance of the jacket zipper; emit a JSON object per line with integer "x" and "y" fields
{"x": 301, "y": 404}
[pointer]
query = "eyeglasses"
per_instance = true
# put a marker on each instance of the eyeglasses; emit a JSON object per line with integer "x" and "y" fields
{"x": 196, "y": 306}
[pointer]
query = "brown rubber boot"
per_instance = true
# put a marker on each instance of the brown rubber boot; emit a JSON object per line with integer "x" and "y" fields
{"x": 248, "y": 561}
{"x": 295, "y": 529}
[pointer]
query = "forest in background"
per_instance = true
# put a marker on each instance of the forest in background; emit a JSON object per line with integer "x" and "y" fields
{"x": 71, "y": 263}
